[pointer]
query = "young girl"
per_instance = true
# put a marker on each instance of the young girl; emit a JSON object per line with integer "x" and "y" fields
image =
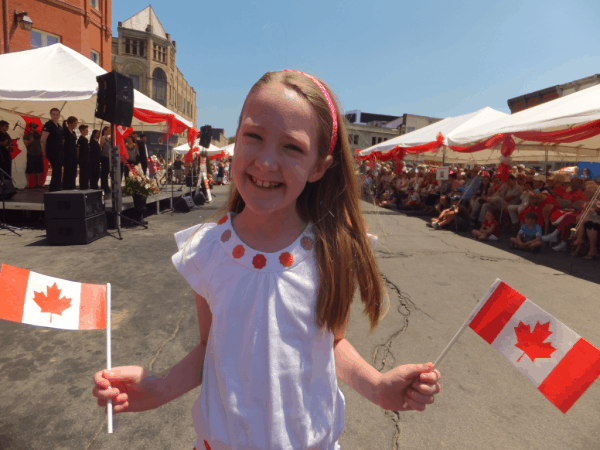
{"x": 274, "y": 279}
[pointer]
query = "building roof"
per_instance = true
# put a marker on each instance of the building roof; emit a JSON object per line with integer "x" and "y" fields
{"x": 144, "y": 18}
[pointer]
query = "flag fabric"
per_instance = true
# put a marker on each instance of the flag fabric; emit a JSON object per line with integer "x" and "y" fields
{"x": 36, "y": 299}
{"x": 560, "y": 363}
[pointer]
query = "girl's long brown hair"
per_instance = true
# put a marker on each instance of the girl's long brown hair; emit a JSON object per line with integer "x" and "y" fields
{"x": 344, "y": 256}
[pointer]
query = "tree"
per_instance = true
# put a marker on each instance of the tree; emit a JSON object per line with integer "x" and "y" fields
{"x": 231, "y": 140}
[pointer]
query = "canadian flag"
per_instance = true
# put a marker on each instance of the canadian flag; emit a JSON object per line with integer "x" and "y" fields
{"x": 36, "y": 299}
{"x": 560, "y": 363}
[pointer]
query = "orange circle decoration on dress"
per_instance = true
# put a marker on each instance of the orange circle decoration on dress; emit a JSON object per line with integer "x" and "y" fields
{"x": 222, "y": 220}
{"x": 226, "y": 235}
{"x": 238, "y": 251}
{"x": 286, "y": 259}
{"x": 259, "y": 261}
{"x": 307, "y": 243}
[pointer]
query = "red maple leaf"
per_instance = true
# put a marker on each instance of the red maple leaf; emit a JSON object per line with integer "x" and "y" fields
{"x": 51, "y": 303}
{"x": 532, "y": 342}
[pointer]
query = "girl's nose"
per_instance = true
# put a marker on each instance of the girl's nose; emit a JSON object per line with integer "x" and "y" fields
{"x": 267, "y": 160}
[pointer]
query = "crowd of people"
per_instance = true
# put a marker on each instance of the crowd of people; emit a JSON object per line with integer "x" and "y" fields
{"x": 531, "y": 206}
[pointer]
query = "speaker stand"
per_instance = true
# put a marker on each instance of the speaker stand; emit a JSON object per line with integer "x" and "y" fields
{"x": 3, "y": 224}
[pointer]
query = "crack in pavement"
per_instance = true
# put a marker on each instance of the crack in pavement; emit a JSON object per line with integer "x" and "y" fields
{"x": 383, "y": 356}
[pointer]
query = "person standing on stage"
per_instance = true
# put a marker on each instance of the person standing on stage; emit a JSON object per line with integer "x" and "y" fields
{"x": 70, "y": 153}
{"x": 132, "y": 153}
{"x": 52, "y": 146}
{"x": 83, "y": 158}
{"x": 105, "y": 146}
{"x": 94, "y": 159}
{"x": 35, "y": 157}
{"x": 5, "y": 149}
{"x": 142, "y": 152}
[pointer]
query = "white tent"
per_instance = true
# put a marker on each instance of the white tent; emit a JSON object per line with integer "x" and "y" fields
{"x": 34, "y": 81}
{"x": 447, "y": 127}
{"x": 183, "y": 149}
{"x": 560, "y": 114}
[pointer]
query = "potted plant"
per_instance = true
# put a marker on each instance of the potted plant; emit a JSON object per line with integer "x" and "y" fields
{"x": 139, "y": 186}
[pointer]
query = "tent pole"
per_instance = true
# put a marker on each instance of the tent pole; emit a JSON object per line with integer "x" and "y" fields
{"x": 546, "y": 163}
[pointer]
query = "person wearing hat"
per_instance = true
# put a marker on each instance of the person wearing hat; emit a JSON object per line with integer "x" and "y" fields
{"x": 35, "y": 155}
{"x": 413, "y": 202}
{"x": 472, "y": 185}
{"x": 539, "y": 182}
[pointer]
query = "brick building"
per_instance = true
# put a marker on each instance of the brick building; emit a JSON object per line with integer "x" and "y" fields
{"x": 545, "y": 95}
{"x": 83, "y": 25}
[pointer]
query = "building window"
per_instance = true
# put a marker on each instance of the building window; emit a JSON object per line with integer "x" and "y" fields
{"x": 135, "y": 47}
{"x": 159, "y": 86}
{"x": 136, "y": 81}
{"x": 160, "y": 53}
{"x": 379, "y": 140}
{"x": 356, "y": 139}
{"x": 95, "y": 4}
{"x": 373, "y": 140}
{"x": 43, "y": 39}
{"x": 95, "y": 56}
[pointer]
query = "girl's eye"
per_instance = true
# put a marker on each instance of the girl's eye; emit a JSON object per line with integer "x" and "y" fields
{"x": 253, "y": 136}
{"x": 293, "y": 147}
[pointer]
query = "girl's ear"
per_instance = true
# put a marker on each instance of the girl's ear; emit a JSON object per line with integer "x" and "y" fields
{"x": 320, "y": 168}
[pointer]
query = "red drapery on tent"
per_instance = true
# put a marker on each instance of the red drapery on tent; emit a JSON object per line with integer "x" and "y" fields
{"x": 173, "y": 125}
{"x": 574, "y": 134}
{"x": 400, "y": 152}
{"x": 192, "y": 135}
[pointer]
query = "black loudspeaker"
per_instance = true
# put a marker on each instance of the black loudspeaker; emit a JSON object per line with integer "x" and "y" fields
{"x": 189, "y": 182}
{"x": 199, "y": 199}
{"x": 73, "y": 204}
{"x": 7, "y": 189}
{"x": 183, "y": 204}
{"x": 75, "y": 231}
{"x": 115, "y": 98}
{"x": 205, "y": 135}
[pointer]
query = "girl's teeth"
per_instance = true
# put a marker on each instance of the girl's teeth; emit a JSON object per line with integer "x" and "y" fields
{"x": 265, "y": 184}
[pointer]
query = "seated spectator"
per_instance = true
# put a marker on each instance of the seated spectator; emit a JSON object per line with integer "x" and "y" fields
{"x": 393, "y": 201}
{"x": 530, "y": 235}
{"x": 413, "y": 202}
{"x": 455, "y": 182}
{"x": 549, "y": 205}
{"x": 592, "y": 226}
{"x": 515, "y": 210}
{"x": 433, "y": 193}
{"x": 482, "y": 196}
{"x": 490, "y": 230}
{"x": 586, "y": 175}
{"x": 564, "y": 219}
{"x": 535, "y": 205}
{"x": 444, "y": 204}
{"x": 573, "y": 195}
{"x": 456, "y": 213}
{"x": 471, "y": 186}
{"x": 508, "y": 194}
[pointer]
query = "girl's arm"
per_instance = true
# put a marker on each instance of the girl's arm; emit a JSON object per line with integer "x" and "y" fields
{"x": 353, "y": 370}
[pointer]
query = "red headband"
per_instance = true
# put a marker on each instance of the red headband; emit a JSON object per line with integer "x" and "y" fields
{"x": 334, "y": 131}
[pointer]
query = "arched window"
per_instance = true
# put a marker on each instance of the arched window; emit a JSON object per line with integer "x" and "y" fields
{"x": 159, "y": 86}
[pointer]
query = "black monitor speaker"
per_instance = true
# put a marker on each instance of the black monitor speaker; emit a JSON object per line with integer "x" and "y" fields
{"x": 115, "y": 98}
{"x": 205, "y": 135}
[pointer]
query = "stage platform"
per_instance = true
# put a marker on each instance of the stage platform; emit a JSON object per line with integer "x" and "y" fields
{"x": 27, "y": 206}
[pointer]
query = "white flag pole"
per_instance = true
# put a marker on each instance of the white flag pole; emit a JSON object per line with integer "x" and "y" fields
{"x": 464, "y": 326}
{"x": 108, "y": 355}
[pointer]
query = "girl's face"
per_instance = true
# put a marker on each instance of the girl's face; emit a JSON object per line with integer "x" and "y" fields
{"x": 489, "y": 216}
{"x": 276, "y": 150}
{"x": 55, "y": 115}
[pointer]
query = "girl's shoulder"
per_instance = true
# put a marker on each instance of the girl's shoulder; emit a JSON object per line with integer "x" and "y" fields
{"x": 196, "y": 236}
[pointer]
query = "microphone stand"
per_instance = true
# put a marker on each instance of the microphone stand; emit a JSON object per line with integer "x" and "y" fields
{"x": 3, "y": 224}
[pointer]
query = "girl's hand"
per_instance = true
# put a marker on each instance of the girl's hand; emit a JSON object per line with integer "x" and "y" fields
{"x": 413, "y": 385}
{"x": 126, "y": 391}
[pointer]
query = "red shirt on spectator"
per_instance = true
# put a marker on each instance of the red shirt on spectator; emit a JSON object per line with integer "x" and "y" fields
{"x": 495, "y": 227}
{"x": 560, "y": 191}
{"x": 535, "y": 209}
{"x": 575, "y": 195}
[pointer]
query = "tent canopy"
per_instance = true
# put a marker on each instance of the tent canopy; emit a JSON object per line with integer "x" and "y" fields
{"x": 560, "y": 114}
{"x": 33, "y": 81}
{"x": 183, "y": 149}
{"x": 447, "y": 127}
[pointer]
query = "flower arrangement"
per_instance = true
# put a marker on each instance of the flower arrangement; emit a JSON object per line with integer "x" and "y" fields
{"x": 138, "y": 183}
{"x": 211, "y": 182}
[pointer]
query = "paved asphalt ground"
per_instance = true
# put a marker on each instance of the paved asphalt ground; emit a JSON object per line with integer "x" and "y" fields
{"x": 434, "y": 279}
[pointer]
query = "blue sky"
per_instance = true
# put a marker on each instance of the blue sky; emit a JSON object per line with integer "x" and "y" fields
{"x": 434, "y": 58}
